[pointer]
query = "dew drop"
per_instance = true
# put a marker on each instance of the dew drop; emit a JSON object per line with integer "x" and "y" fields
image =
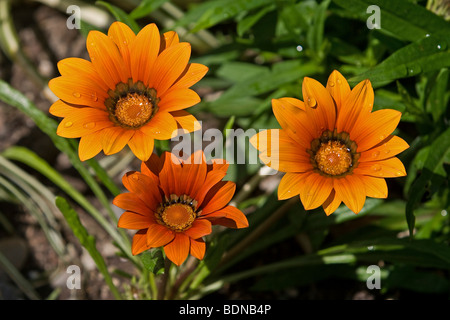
{"x": 399, "y": 173}
{"x": 387, "y": 151}
{"x": 338, "y": 81}
{"x": 94, "y": 96}
{"x": 312, "y": 102}
{"x": 89, "y": 125}
{"x": 299, "y": 48}
{"x": 376, "y": 167}
{"x": 135, "y": 177}
{"x": 76, "y": 95}
{"x": 382, "y": 137}
{"x": 331, "y": 83}
{"x": 68, "y": 124}
{"x": 375, "y": 154}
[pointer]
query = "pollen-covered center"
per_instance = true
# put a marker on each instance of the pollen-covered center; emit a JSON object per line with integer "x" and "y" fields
{"x": 133, "y": 110}
{"x": 333, "y": 158}
{"x": 178, "y": 216}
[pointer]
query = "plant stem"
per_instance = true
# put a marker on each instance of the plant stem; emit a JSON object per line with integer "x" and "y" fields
{"x": 163, "y": 284}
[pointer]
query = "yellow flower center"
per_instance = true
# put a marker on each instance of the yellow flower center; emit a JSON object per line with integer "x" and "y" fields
{"x": 333, "y": 158}
{"x": 133, "y": 110}
{"x": 178, "y": 216}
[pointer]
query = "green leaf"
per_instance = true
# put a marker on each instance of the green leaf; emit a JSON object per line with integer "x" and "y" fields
{"x": 427, "y": 54}
{"x": 120, "y": 15}
{"x": 249, "y": 21}
{"x": 402, "y": 19}
{"x": 315, "y": 32}
{"x": 432, "y": 171}
{"x": 153, "y": 260}
{"x": 146, "y": 7}
{"x": 438, "y": 98}
{"x": 86, "y": 240}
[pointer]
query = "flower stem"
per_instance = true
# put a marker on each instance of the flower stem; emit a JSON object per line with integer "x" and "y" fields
{"x": 165, "y": 277}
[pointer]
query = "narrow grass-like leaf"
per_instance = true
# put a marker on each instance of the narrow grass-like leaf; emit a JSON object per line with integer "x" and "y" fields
{"x": 145, "y": 7}
{"x": 120, "y": 15}
{"x": 87, "y": 241}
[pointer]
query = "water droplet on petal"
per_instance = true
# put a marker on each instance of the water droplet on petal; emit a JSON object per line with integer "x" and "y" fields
{"x": 95, "y": 97}
{"x": 382, "y": 137}
{"x": 312, "y": 102}
{"x": 375, "y": 154}
{"x": 135, "y": 177}
{"x": 331, "y": 83}
{"x": 76, "y": 95}
{"x": 68, "y": 124}
{"x": 387, "y": 151}
{"x": 89, "y": 125}
{"x": 376, "y": 167}
{"x": 338, "y": 81}
{"x": 399, "y": 173}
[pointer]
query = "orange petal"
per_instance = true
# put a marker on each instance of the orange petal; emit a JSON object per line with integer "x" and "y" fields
{"x": 90, "y": 145}
{"x": 169, "y": 39}
{"x": 61, "y": 109}
{"x": 193, "y": 174}
{"x": 178, "y": 99}
{"x": 322, "y": 109}
{"x": 178, "y": 250}
{"x": 78, "y": 90}
{"x": 186, "y": 120}
{"x": 169, "y": 174}
{"x": 83, "y": 121}
{"x": 139, "y": 243}
{"x": 81, "y": 67}
{"x": 292, "y": 101}
{"x": 144, "y": 187}
{"x": 316, "y": 189}
{"x": 230, "y": 217}
{"x": 158, "y": 235}
{"x": 331, "y": 204}
{"x": 169, "y": 66}
{"x": 199, "y": 228}
{"x": 388, "y": 168}
{"x": 389, "y": 147}
{"x": 114, "y": 139}
{"x": 294, "y": 121}
{"x": 123, "y": 37}
{"x": 338, "y": 87}
{"x": 191, "y": 75}
{"x": 161, "y": 127}
{"x": 132, "y": 220}
{"x": 106, "y": 58}
{"x": 152, "y": 167}
{"x": 375, "y": 187}
{"x": 218, "y": 197}
{"x": 212, "y": 178}
{"x": 291, "y": 185}
{"x": 357, "y": 105}
{"x": 352, "y": 191}
{"x": 374, "y": 128}
{"x": 131, "y": 202}
{"x": 141, "y": 145}
{"x": 144, "y": 50}
{"x": 219, "y": 164}
{"x": 198, "y": 248}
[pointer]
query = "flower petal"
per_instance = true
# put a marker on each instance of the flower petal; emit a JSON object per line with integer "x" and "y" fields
{"x": 61, "y": 109}
{"x": 114, "y": 139}
{"x": 316, "y": 189}
{"x": 388, "y": 168}
{"x": 144, "y": 187}
{"x": 178, "y": 250}
{"x": 161, "y": 127}
{"x": 332, "y": 203}
{"x": 352, "y": 191}
{"x": 192, "y": 74}
{"x": 169, "y": 39}
{"x": 123, "y": 37}
{"x": 178, "y": 99}
{"x": 375, "y": 187}
{"x": 132, "y": 220}
{"x": 291, "y": 185}
{"x": 144, "y": 51}
{"x": 106, "y": 59}
{"x": 90, "y": 145}
{"x": 186, "y": 120}
{"x": 198, "y": 248}
{"x": 83, "y": 121}
{"x": 199, "y": 228}
{"x": 230, "y": 217}
{"x": 139, "y": 243}
{"x": 218, "y": 196}
{"x": 76, "y": 66}
{"x": 338, "y": 87}
{"x": 158, "y": 235}
{"x": 131, "y": 202}
{"x": 141, "y": 145}
{"x": 193, "y": 174}
{"x": 389, "y": 147}
{"x": 169, "y": 66}
{"x": 357, "y": 105}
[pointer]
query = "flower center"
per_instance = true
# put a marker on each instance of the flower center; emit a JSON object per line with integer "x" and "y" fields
{"x": 178, "y": 216}
{"x": 333, "y": 158}
{"x": 177, "y": 213}
{"x": 334, "y": 154}
{"x": 132, "y": 104}
{"x": 134, "y": 110}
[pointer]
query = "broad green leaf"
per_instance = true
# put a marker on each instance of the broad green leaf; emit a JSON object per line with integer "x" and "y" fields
{"x": 145, "y": 7}
{"x": 401, "y": 19}
{"x": 427, "y": 54}
{"x": 86, "y": 240}
{"x": 210, "y": 13}
{"x": 153, "y": 260}
{"x": 432, "y": 171}
{"x": 120, "y": 15}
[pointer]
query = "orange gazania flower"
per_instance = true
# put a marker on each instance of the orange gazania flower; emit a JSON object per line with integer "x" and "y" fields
{"x": 173, "y": 203}
{"x": 332, "y": 147}
{"x": 132, "y": 91}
